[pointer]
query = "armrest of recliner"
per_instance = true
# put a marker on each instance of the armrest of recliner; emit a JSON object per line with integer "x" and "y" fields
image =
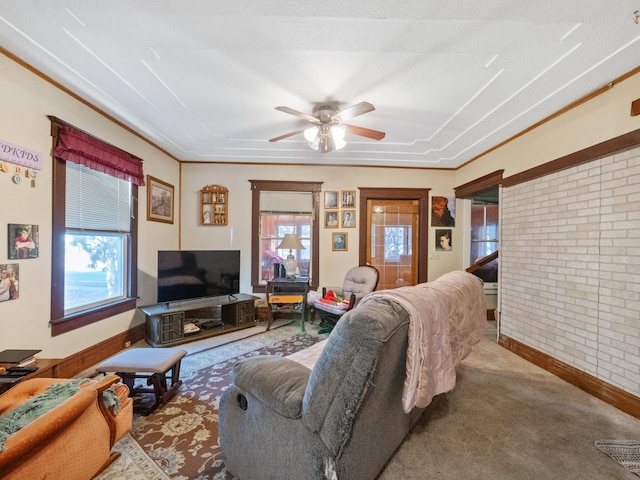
{"x": 47, "y": 427}
{"x": 120, "y": 420}
{"x": 279, "y": 383}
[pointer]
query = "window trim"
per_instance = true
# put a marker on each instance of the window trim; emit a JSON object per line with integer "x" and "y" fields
{"x": 258, "y": 186}
{"x": 59, "y": 322}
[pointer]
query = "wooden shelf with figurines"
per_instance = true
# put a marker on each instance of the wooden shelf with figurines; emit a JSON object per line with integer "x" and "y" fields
{"x": 214, "y": 200}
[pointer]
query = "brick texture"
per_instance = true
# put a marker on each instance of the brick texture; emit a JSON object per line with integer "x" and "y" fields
{"x": 570, "y": 267}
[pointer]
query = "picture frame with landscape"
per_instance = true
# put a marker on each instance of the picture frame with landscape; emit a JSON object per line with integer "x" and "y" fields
{"x": 160, "y": 200}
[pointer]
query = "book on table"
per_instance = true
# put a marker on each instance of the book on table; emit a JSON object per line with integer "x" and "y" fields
{"x": 19, "y": 357}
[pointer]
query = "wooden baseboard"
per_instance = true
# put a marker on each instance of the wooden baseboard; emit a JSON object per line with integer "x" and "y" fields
{"x": 76, "y": 363}
{"x": 614, "y": 396}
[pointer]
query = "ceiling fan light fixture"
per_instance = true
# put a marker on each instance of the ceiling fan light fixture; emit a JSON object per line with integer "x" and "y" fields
{"x": 338, "y": 132}
{"x": 328, "y": 131}
{"x": 315, "y": 143}
{"x": 311, "y": 133}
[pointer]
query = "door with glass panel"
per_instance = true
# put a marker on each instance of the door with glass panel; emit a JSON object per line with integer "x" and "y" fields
{"x": 394, "y": 234}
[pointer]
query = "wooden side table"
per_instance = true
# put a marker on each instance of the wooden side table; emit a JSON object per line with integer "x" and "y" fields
{"x": 46, "y": 369}
{"x": 283, "y": 292}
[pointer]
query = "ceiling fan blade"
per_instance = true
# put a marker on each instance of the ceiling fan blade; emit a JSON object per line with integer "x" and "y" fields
{"x": 354, "y": 111}
{"x": 365, "y": 132}
{"x": 304, "y": 116}
{"x": 286, "y": 135}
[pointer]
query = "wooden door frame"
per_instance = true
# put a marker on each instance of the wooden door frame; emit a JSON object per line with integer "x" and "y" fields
{"x": 419, "y": 194}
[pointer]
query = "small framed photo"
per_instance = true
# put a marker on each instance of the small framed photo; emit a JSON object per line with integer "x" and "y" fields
{"x": 331, "y": 199}
{"x": 339, "y": 243}
{"x": 348, "y": 198}
{"x": 9, "y": 280}
{"x": 348, "y": 218}
{"x": 443, "y": 240}
{"x": 23, "y": 241}
{"x": 331, "y": 219}
{"x": 159, "y": 200}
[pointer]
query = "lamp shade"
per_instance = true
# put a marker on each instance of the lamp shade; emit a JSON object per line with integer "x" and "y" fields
{"x": 291, "y": 241}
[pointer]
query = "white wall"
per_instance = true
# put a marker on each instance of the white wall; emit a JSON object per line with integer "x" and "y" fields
{"x": 26, "y": 101}
{"x": 333, "y": 265}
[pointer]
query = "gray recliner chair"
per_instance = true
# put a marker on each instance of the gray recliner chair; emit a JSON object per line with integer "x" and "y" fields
{"x": 341, "y": 420}
{"x": 358, "y": 281}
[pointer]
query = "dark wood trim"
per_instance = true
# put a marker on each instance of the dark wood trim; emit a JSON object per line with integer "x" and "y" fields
{"x": 614, "y": 396}
{"x": 285, "y": 186}
{"x": 479, "y": 185}
{"x": 600, "y": 150}
{"x": 71, "y": 322}
{"x": 258, "y": 186}
{"x": 420, "y": 194}
{"x": 57, "y": 239}
{"x": 635, "y": 107}
{"x": 76, "y": 363}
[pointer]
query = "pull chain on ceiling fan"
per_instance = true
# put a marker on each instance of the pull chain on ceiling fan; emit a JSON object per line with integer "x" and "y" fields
{"x": 328, "y": 130}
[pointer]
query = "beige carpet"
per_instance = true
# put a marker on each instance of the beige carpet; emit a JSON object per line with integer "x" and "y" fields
{"x": 506, "y": 419}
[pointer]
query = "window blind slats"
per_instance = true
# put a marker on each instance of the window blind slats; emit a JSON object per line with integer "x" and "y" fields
{"x": 96, "y": 201}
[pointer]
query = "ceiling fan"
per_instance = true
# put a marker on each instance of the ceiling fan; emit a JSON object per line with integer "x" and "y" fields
{"x": 328, "y": 129}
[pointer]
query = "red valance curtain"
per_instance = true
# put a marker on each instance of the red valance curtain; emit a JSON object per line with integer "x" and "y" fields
{"x": 79, "y": 147}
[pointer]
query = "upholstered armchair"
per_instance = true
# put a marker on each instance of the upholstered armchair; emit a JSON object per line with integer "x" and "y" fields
{"x": 72, "y": 440}
{"x": 341, "y": 419}
{"x": 336, "y": 301}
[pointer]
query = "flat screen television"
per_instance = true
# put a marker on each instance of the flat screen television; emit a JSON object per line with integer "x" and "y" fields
{"x": 185, "y": 274}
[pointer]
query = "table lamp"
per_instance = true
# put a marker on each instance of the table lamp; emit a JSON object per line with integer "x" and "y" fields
{"x": 292, "y": 242}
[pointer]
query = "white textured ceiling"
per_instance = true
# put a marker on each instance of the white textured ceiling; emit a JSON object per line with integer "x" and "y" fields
{"x": 449, "y": 78}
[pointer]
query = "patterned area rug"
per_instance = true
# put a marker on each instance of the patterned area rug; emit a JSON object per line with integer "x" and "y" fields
{"x": 625, "y": 452}
{"x": 180, "y": 440}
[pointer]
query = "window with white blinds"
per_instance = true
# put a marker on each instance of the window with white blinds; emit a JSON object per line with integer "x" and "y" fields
{"x": 96, "y": 201}
{"x": 94, "y": 229}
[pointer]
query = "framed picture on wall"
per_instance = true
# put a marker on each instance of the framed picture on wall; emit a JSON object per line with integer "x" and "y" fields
{"x": 348, "y": 218}
{"x": 23, "y": 241}
{"x": 159, "y": 200}
{"x": 443, "y": 211}
{"x": 9, "y": 280}
{"x": 348, "y": 198}
{"x": 331, "y": 219}
{"x": 339, "y": 241}
{"x": 331, "y": 199}
{"x": 443, "y": 240}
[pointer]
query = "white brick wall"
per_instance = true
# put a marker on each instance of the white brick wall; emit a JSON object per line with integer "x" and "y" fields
{"x": 570, "y": 267}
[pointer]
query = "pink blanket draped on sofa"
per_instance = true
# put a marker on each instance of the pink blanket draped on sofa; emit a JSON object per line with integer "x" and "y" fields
{"x": 447, "y": 317}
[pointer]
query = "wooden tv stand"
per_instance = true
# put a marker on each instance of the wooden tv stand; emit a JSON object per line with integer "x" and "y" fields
{"x": 166, "y": 321}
